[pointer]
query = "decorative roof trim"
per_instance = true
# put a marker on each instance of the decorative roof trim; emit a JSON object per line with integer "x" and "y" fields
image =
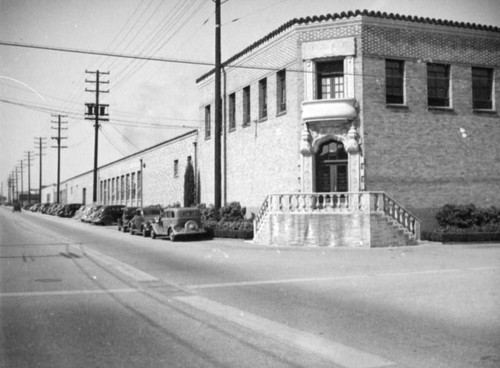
{"x": 347, "y": 15}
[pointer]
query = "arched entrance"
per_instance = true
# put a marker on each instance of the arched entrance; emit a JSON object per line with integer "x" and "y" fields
{"x": 331, "y": 167}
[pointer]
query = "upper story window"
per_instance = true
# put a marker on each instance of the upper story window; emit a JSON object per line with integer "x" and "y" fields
{"x": 232, "y": 111}
{"x": 330, "y": 79}
{"x": 246, "y": 105}
{"x": 438, "y": 85}
{"x": 207, "y": 122}
{"x": 263, "y": 98}
{"x": 482, "y": 87}
{"x": 394, "y": 81}
{"x": 176, "y": 168}
{"x": 281, "y": 91}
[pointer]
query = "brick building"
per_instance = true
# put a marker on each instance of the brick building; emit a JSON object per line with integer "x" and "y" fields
{"x": 336, "y": 128}
{"x": 360, "y": 101}
{"x": 149, "y": 177}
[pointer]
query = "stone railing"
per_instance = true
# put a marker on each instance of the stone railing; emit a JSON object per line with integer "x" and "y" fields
{"x": 338, "y": 202}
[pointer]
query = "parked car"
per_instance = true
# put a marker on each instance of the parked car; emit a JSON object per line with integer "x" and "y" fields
{"x": 79, "y": 213}
{"x": 16, "y": 207}
{"x": 176, "y": 222}
{"x": 54, "y": 207}
{"x": 108, "y": 215}
{"x": 35, "y": 207}
{"x": 88, "y": 215}
{"x": 143, "y": 217}
{"x": 44, "y": 207}
{"x": 68, "y": 210}
{"x": 127, "y": 215}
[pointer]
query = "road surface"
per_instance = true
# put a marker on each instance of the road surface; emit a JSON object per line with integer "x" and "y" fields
{"x": 79, "y": 295}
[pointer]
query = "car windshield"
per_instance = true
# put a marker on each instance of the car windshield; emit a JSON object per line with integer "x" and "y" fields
{"x": 151, "y": 211}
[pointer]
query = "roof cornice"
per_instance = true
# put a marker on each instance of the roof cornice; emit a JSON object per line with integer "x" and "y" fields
{"x": 347, "y": 15}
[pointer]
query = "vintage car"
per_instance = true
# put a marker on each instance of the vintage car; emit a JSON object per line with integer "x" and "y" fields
{"x": 16, "y": 207}
{"x": 143, "y": 217}
{"x": 108, "y": 215}
{"x": 68, "y": 210}
{"x": 89, "y": 213}
{"x": 127, "y": 215}
{"x": 176, "y": 222}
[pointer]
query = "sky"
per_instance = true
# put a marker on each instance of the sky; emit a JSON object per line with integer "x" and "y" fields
{"x": 149, "y": 101}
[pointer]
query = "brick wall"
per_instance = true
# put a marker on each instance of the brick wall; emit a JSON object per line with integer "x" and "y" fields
{"x": 419, "y": 155}
{"x": 160, "y": 185}
{"x": 260, "y": 158}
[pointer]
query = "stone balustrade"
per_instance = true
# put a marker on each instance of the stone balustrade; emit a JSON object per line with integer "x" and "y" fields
{"x": 339, "y": 202}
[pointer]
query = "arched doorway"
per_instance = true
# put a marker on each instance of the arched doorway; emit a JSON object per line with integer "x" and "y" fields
{"x": 331, "y": 167}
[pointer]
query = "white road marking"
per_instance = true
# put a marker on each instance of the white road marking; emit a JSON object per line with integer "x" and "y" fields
{"x": 124, "y": 268}
{"x": 337, "y": 353}
{"x": 333, "y": 278}
{"x": 67, "y": 292}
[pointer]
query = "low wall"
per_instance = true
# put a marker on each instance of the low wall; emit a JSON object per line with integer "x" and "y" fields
{"x": 361, "y": 230}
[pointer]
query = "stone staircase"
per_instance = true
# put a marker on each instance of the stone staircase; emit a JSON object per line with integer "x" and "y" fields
{"x": 360, "y": 219}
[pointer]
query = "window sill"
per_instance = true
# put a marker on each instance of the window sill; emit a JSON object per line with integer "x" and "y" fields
{"x": 443, "y": 109}
{"x": 232, "y": 129}
{"x": 397, "y": 106}
{"x": 281, "y": 113}
{"x": 484, "y": 112}
{"x": 261, "y": 120}
{"x": 207, "y": 138}
{"x": 245, "y": 125}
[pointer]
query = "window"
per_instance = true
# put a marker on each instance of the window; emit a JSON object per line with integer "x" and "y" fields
{"x": 109, "y": 192}
{"x": 208, "y": 119}
{"x": 101, "y": 190}
{"x": 281, "y": 91}
{"x": 139, "y": 185}
{"x": 232, "y": 111}
{"x": 122, "y": 188}
{"x": 263, "y": 98}
{"x": 330, "y": 79}
{"x": 176, "y": 168}
{"x": 394, "y": 81}
{"x": 113, "y": 189}
{"x": 246, "y": 105}
{"x": 104, "y": 200}
{"x": 438, "y": 85}
{"x": 127, "y": 187}
{"x": 133, "y": 185}
{"x": 482, "y": 86}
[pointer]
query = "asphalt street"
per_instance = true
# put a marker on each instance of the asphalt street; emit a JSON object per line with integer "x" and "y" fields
{"x": 79, "y": 295}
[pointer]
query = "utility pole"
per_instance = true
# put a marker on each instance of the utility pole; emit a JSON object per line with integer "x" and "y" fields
{"x": 22, "y": 186}
{"x": 58, "y": 139}
{"x": 94, "y": 111}
{"x": 39, "y": 143}
{"x": 218, "y": 111}
{"x": 17, "y": 187}
{"x": 9, "y": 187}
{"x": 29, "y": 175}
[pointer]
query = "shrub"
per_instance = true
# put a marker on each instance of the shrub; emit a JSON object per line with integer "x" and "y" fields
{"x": 466, "y": 216}
{"x": 462, "y": 223}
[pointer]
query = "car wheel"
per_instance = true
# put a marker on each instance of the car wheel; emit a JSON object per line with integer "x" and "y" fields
{"x": 145, "y": 232}
{"x": 153, "y": 234}
{"x": 172, "y": 236}
{"x": 131, "y": 231}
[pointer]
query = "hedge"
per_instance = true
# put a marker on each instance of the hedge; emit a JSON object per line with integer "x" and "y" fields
{"x": 465, "y": 223}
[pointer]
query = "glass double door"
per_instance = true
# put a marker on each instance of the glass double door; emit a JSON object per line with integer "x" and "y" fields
{"x": 331, "y": 168}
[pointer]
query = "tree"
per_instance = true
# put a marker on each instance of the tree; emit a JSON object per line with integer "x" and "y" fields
{"x": 189, "y": 186}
